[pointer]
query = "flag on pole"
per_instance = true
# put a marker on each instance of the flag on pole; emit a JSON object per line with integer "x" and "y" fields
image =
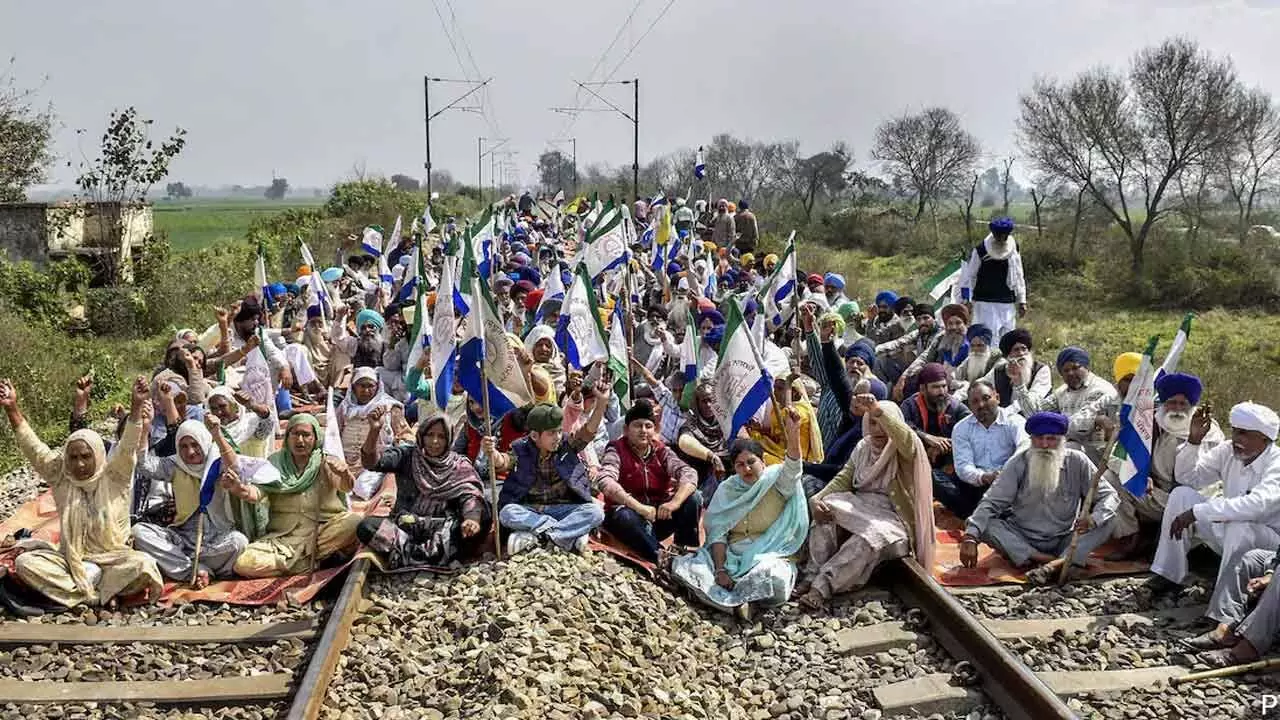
{"x": 581, "y": 334}
{"x": 444, "y": 339}
{"x": 942, "y": 285}
{"x": 385, "y": 278}
{"x": 420, "y": 333}
{"x": 260, "y": 275}
{"x": 689, "y": 349}
{"x": 606, "y": 245}
{"x": 742, "y": 384}
{"x": 395, "y": 235}
{"x": 332, "y": 433}
{"x": 775, "y": 295}
{"x": 619, "y": 357}
{"x": 412, "y": 275}
{"x": 699, "y": 165}
{"x": 1171, "y": 360}
{"x": 371, "y": 240}
{"x": 484, "y": 342}
{"x": 1137, "y": 426}
{"x": 319, "y": 293}
{"x": 428, "y": 223}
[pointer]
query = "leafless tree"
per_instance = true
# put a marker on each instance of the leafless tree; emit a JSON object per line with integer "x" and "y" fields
{"x": 743, "y": 168}
{"x": 929, "y": 153}
{"x": 1037, "y": 201}
{"x": 1005, "y": 180}
{"x": 1249, "y": 168}
{"x": 816, "y": 177}
{"x": 1125, "y": 139}
{"x": 965, "y": 206}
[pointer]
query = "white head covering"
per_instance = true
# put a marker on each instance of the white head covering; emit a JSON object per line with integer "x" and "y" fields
{"x": 541, "y": 332}
{"x": 193, "y": 429}
{"x": 1260, "y": 418}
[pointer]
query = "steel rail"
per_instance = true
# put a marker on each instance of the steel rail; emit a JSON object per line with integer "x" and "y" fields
{"x": 1014, "y": 688}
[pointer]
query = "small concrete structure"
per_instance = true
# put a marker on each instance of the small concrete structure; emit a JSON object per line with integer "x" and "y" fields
{"x": 106, "y": 236}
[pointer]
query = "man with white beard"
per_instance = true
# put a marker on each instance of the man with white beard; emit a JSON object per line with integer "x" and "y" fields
{"x": 1177, "y": 395}
{"x": 1246, "y": 517}
{"x": 992, "y": 281}
{"x": 1029, "y": 513}
{"x": 366, "y": 348}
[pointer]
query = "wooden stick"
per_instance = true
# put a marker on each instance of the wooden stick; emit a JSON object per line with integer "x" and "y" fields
{"x": 1257, "y": 666}
{"x": 195, "y": 563}
{"x": 488, "y": 426}
{"x": 1087, "y": 505}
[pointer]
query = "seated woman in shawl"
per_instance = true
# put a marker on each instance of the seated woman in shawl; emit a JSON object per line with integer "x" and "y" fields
{"x": 541, "y": 345}
{"x": 246, "y": 425}
{"x": 353, "y": 413}
{"x": 817, "y": 475}
{"x": 308, "y": 520}
{"x": 701, "y": 441}
{"x": 441, "y": 512}
{"x": 882, "y": 500}
{"x": 787, "y": 392}
{"x": 92, "y": 564}
{"x": 755, "y": 523}
{"x": 172, "y": 406}
{"x": 208, "y": 532}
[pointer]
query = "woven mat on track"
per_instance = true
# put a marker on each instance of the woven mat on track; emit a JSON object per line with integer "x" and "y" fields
{"x": 40, "y": 516}
{"x": 993, "y": 568}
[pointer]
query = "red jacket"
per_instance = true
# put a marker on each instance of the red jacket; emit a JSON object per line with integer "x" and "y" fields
{"x": 651, "y": 480}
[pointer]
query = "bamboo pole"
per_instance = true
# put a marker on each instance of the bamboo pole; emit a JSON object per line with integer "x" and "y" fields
{"x": 1257, "y": 666}
{"x": 1088, "y": 504}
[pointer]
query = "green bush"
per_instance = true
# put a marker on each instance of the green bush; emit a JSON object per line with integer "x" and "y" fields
{"x": 42, "y": 297}
{"x": 1192, "y": 275}
{"x": 117, "y": 310}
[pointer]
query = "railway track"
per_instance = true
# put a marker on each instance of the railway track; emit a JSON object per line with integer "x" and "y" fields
{"x": 304, "y": 652}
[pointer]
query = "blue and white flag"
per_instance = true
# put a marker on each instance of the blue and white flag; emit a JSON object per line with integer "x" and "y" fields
{"x": 580, "y": 334}
{"x": 741, "y": 382}
{"x": 371, "y": 240}
{"x": 1171, "y": 360}
{"x": 396, "y": 231}
{"x": 420, "y": 333}
{"x": 700, "y": 165}
{"x": 385, "y": 279}
{"x": 1137, "y": 426}
{"x": 776, "y": 297}
{"x": 319, "y": 299}
{"x": 484, "y": 345}
{"x": 443, "y": 338}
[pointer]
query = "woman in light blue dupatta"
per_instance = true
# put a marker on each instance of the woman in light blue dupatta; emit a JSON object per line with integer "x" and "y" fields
{"x": 756, "y": 522}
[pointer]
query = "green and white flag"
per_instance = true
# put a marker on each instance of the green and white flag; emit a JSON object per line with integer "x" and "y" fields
{"x": 606, "y": 243}
{"x": 619, "y": 357}
{"x": 942, "y": 285}
{"x": 581, "y": 334}
{"x": 742, "y": 384}
{"x": 1171, "y": 360}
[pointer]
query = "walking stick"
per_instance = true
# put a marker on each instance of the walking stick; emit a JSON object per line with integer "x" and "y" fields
{"x": 488, "y": 424}
{"x": 1256, "y": 666}
{"x": 1088, "y": 504}
{"x": 195, "y": 564}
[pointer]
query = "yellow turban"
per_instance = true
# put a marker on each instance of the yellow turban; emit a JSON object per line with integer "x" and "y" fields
{"x": 770, "y": 261}
{"x": 304, "y": 270}
{"x": 747, "y": 258}
{"x": 1127, "y": 364}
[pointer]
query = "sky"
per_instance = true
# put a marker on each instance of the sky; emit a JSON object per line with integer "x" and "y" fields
{"x": 318, "y": 90}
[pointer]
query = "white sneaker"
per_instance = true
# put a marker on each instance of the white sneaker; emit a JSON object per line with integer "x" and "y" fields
{"x": 580, "y": 545}
{"x": 521, "y": 541}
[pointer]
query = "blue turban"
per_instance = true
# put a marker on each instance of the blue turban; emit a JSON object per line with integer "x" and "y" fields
{"x": 886, "y": 297}
{"x": 862, "y": 349}
{"x": 673, "y": 268}
{"x": 527, "y": 273}
{"x": 979, "y": 331}
{"x": 1001, "y": 225}
{"x": 292, "y": 288}
{"x": 834, "y": 280}
{"x": 751, "y": 307}
{"x": 277, "y": 290}
{"x": 714, "y": 335}
{"x": 1047, "y": 423}
{"x": 714, "y": 315}
{"x": 1171, "y": 384}
{"x": 369, "y": 317}
{"x": 331, "y": 274}
{"x": 1072, "y": 354}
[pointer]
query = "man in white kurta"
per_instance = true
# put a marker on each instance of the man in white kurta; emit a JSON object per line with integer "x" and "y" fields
{"x": 992, "y": 281}
{"x": 1246, "y": 517}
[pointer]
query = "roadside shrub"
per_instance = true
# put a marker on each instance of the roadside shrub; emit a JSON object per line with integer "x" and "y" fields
{"x": 41, "y": 297}
{"x": 1192, "y": 275}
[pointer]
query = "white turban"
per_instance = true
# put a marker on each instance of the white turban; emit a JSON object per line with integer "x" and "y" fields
{"x": 1260, "y": 418}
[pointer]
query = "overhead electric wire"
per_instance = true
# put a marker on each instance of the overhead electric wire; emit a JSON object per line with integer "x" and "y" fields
{"x": 639, "y": 40}
{"x": 577, "y": 93}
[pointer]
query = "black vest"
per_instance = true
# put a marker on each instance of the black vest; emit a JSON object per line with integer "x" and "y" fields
{"x": 992, "y": 283}
{"x": 1005, "y": 387}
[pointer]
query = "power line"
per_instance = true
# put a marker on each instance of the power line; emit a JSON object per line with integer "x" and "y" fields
{"x": 577, "y": 95}
{"x": 486, "y": 102}
{"x": 643, "y": 35}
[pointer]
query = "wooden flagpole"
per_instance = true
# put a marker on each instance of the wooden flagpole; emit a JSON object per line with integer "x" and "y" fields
{"x": 1113, "y": 438}
{"x": 479, "y": 301}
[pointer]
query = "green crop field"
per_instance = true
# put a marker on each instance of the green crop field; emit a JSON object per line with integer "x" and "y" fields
{"x": 193, "y": 223}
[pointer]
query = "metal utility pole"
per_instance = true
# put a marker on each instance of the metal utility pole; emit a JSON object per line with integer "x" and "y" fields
{"x": 480, "y": 153}
{"x": 429, "y": 116}
{"x": 633, "y": 116}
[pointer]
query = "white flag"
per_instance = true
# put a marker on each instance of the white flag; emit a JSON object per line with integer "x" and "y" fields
{"x": 444, "y": 339}
{"x": 332, "y": 434}
{"x": 742, "y": 384}
{"x": 581, "y": 334}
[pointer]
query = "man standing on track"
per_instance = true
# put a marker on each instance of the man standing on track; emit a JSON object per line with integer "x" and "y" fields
{"x": 992, "y": 282}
